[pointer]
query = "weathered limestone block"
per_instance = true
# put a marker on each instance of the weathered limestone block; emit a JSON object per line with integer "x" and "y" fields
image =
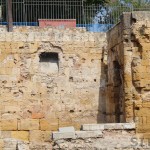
{"x": 146, "y": 104}
{"x": 143, "y": 112}
{"x": 1, "y": 144}
{"x": 92, "y": 127}
{"x": 137, "y": 76}
{"x": 8, "y": 125}
{"x": 49, "y": 124}
{"x": 88, "y": 134}
{"x": 28, "y": 124}
{"x": 63, "y": 135}
{"x": 43, "y": 101}
{"x": 12, "y": 109}
{"x": 40, "y": 136}
{"x": 40, "y": 146}
{"x": 146, "y": 95}
{"x": 20, "y": 135}
{"x": 37, "y": 115}
{"x": 143, "y": 128}
{"x": 22, "y": 146}
{"x": 10, "y": 144}
{"x": 5, "y": 134}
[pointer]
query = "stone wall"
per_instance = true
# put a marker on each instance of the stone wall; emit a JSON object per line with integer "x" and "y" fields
{"x": 140, "y": 69}
{"x": 115, "y": 87}
{"x": 111, "y": 136}
{"x": 128, "y": 50}
{"x": 49, "y": 78}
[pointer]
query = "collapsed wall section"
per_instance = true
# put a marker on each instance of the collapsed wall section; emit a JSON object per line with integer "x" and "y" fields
{"x": 129, "y": 71}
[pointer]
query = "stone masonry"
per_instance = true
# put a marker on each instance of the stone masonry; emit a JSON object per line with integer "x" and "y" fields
{"x": 49, "y": 78}
{"x": 129, "y": 71}
{"x": 52, "y": 78}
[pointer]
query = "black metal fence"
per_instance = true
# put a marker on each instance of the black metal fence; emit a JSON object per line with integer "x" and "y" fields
{"x": 93, "y": 18}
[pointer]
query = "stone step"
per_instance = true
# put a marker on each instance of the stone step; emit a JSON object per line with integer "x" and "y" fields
{"x": 88, "y": 134}
{"x": 63, "y": 135}
{"x": 77, "y": 135}
{"x": 108, "y": 126}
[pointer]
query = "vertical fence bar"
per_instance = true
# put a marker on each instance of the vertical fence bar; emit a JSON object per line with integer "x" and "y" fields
{"x": 9, "y": 15}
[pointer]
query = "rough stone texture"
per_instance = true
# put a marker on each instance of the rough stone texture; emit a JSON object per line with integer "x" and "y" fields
{"x": 39, "y": 94}
{"x": 140, "y": 67}
{"x": 63, "y": 135}
{"x": 21, "y": 135}
{"x": 129, "y": 71}
{"x": 115, "y": 105}
{"x": 77, "y": 135}
{"x": 112, "y": 140}
{"x": 108, "y": 126}
{"x": 84, "y": 84}
{"x": 67, "y": 129}
{"x": 88, "y": 134}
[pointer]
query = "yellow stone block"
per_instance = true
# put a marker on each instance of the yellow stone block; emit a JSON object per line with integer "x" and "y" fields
{"x": 145, "y": 62}
{"x": 8, "y": 125}
{"x": 137, "y": 76}
{"x": 143, "y": 128}
{"x": 146, "y": 104}
{"x": 145, "y": 46}
{"x": 3, "y": 56}
{"x": 40, "y": 136}
{"x": 5, "y": 71}
{"x": 143, "y": 112}
{"x": 146, "y": 135}
{"x": 20, "y": 135}
{"x": 127, "y": 77}
{"x": 1, "y": 144}
{"x": 28, "y": 124}
{"x": 49, "y": 125}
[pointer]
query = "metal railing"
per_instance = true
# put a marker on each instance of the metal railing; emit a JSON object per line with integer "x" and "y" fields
{"x": 93, "y": 18}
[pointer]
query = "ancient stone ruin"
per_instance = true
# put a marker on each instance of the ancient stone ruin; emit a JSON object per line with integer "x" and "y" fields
{"x": 96, "y": 84}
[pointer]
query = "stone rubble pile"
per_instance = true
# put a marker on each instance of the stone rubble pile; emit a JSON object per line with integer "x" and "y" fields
{"x": 95, "y": 137}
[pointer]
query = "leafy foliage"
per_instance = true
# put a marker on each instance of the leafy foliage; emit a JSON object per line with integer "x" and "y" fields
{"x": 133, "y": 3}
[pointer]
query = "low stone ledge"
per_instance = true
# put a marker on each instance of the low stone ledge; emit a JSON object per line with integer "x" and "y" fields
{"x": 67, "y": 129}
{"x": 108, "y": 126}
{"x": 92, "y": 127}
{"x": 119, "y": 126}
{"x": 129, "y": 126}
{"x": 88, "y": 134}
{"x": 77, "y": 135}
{"x": 90, "y": 130}
{"x": 63, "y": 135}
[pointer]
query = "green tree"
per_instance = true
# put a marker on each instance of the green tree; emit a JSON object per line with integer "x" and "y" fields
{"x": 133, "y": 3}
{"x": 117, "y": 7}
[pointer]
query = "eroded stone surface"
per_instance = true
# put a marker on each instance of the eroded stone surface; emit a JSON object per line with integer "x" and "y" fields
{"x": 85, "y": 84}
{"x": 128, "y": 71}
{"x": 49, "y": 78}
{"x": 111, "y": 140}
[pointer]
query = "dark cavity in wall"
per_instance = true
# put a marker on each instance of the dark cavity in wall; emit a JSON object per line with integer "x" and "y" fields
{"x": 49, "y": 57}
{"x": 49, "y": 62}
{"x": 117, "y": 91}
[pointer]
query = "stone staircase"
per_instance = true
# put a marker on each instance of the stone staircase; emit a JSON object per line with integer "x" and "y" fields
{"x": 96, "y": 137}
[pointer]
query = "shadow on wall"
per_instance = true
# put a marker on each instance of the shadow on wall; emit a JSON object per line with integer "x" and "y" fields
{"x": 101, "y": 118}
{"x": 111, "y": 103}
